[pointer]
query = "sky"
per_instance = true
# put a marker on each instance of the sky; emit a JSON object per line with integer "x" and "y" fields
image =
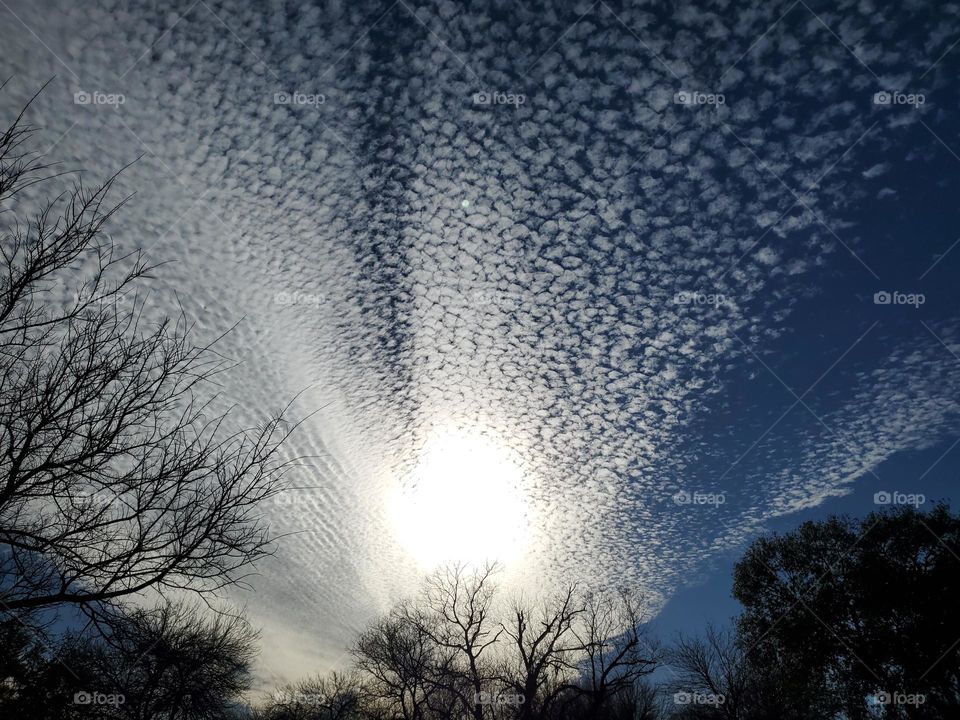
{"x": 606, "y": 290}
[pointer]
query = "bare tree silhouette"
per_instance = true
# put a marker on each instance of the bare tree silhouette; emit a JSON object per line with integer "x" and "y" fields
{"x": 617, "y": 652}
{"x": 339, "y": 696}
{"x": 456, "y": 651}
{"x": 115, "y": 476}
{"x": 176, "y": 662}
{"x": 458, "y": 620}
{"x": 542, "y": 665}
{"x": 405, "y": 667}
{"x": 714, "y": 665}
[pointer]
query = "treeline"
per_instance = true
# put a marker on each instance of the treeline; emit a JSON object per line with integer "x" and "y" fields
{"x": 171, "y": 662}
{"x": 459, "y": 651}
{"x": 844, "y": 619}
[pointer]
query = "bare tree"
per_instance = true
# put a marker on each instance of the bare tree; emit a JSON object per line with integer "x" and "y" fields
{"x": 458, "y": 619}
{"x": 115, "y": 476}
{"x": 643, "y": 701}
{"x": 714, "y": 666}
{"x": 542, "y": 663}
{"x": 176, "y": 662}
{"x": 449, "y": 653}
{"x": 339, "y": 696}
{"x": 617, "y": 652}
{"x": 406, "y": 668}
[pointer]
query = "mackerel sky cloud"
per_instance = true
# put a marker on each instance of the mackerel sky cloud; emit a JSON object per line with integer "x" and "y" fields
{"x": 686, "y": 267}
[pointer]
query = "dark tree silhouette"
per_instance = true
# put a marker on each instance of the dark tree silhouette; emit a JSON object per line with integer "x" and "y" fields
{"x": 457, "y": 618}
{"x": 407, "y": 671}
{"x": 35, "y": 682}
{"x": 617, "y": 652}
{"x": 339, "y": 696}
{"x": 173, "y": 662}
{"x": 713, "y": 678}
{"x": 115, "y": 476}
{"x": 542, "y": 663}
{"x": 452, "y": 652}
{"x": 859, "y": 612}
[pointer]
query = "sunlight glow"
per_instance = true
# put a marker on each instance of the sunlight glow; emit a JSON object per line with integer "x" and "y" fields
{"x": 463, "y": 503}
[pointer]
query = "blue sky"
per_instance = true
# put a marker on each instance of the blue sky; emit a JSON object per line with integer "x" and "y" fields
{"x": 907, "y": 237}
{"x": 622, "y": 253}
{"x": 709, "y": 599}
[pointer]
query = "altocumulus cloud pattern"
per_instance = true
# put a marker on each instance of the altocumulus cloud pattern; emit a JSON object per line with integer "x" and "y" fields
{"x": 633, "y": 243}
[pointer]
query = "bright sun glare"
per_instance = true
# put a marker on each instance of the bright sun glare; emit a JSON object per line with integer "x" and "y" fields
{"x": 463, "y": 503}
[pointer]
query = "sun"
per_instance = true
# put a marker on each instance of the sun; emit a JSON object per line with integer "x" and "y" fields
{"x": 464, "y": 502}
